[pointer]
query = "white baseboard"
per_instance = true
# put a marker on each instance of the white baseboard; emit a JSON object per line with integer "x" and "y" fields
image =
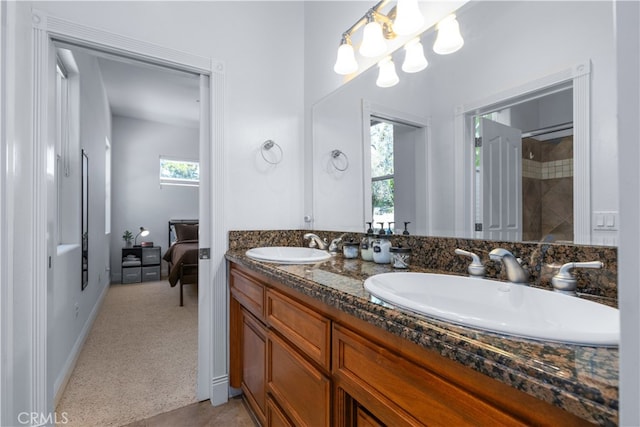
{"x": 219, "y": 390}
{"x": 62, "y": 380}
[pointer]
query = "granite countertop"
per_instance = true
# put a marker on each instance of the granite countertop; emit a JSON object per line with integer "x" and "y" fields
{"x": 580, "y": 379}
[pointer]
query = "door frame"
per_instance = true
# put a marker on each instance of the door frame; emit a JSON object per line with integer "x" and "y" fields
{"x": 578, "y": 77}
{"x": 212, "y": 344}
{"x": 423, "y": 125}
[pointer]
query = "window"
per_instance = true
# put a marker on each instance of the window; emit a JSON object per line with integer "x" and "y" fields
{"x": 107, "y": 186}
{"x": 382, "y": 172}
{"x": 63, "y": 170}
{"x": 179, "y": 172}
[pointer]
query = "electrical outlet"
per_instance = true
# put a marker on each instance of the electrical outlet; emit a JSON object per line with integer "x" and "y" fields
{"x": 77, "y": 309}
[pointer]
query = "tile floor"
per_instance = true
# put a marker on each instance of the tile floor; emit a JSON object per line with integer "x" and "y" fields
{"x": 232, "y": 414}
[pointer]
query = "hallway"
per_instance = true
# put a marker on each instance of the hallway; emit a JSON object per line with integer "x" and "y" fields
{"x": 139, "y": 360}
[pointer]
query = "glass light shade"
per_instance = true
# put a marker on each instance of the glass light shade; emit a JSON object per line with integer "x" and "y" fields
{"x": 346, "y": 61}
{"x": 414, "y": 59}
{"x": 373, "y": 43}
{"x": 387, "y": 76}
{"x": 449, "y": 39}
{"x": 409, "y": 19}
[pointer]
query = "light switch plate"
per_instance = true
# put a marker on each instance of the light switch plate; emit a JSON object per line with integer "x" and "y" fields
{"x": 605, "y": 220}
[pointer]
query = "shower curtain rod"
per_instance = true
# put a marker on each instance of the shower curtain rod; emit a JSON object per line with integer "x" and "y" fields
{"x": 549, "y": 129}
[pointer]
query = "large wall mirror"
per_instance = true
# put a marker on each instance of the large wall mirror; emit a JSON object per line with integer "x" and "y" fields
{"x": 85, "y": 220}
{"x": 516, "y": 70}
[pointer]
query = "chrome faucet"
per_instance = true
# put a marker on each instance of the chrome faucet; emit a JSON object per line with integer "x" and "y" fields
{"x": 333, "y": 247}
{"x": 316, "y": 241}
{"x": 565, "y": 282}
{"x": 475, "y": 269}
{"x": 515, "y": 272}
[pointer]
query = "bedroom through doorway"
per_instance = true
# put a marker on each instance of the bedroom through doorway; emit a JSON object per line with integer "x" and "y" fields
{"x": 154, "y": 115}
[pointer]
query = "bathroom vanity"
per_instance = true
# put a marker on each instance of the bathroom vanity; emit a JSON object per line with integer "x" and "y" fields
{"x": 309, "y": 346}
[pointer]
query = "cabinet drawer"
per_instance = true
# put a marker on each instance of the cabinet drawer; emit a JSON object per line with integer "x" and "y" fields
{"x": 275, "y": 416}
{"x": 248, "y": 292}
{"x": 150, "y": 273}
{"x": 151, "y": 256}
{"x": 301, "y": 390}
{"x": 131, "y": 275}
{"x": 304, "y": 328}
{"x": 399, "y": 392}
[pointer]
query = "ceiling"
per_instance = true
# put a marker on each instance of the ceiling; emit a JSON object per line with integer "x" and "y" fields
{"x": 145, "y": 91}
{"x": 150, "y": 92}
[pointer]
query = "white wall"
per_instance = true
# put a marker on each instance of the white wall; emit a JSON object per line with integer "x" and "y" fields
{"x": 137, "y": 197}
{"x": 628, "y": 91}
{"x": 525, "y": 41}
{"x": 67, "y": 324}
{"x": 261, "y": 45}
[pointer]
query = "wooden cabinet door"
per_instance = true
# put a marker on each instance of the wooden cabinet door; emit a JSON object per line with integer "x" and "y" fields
{"x": 275, "y": 416}
{"x": 301, "y": 390}
{"x": 308, "y": 330}
{"x": 254, "y": 344}
{"x": 365, "y": 419}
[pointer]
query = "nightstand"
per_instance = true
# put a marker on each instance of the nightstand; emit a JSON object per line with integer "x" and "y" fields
{"x": 140, "y": 264}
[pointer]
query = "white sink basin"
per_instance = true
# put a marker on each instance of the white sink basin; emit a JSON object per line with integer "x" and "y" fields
{"x": 288, "y": 255}
{"x": 500, "y": 307}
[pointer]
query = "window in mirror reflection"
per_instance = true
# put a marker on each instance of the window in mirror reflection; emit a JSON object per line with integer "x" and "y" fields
{"x": 395, "y": 145}
{"x": 382, "y": 184}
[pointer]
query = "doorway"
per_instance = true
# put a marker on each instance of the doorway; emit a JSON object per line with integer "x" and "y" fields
{"x": 212, "y": 371}
{"x": 577, "y": 80}
{"x": 524, "y": 169}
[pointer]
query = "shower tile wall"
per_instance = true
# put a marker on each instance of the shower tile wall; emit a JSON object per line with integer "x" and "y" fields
{"x": 547, "y": 189}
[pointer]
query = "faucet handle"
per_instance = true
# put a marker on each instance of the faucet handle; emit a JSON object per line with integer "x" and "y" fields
{"x": 335, "y": 243}
{"x": 565, "y": 282}
{"x": 476, "y": 268}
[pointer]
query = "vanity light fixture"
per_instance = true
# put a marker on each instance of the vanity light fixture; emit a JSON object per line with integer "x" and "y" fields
{"x": 387, "y": 75}
{"x": 408, "y": 20}
{"x": 346, "y": 61}
{"x": 373, "y": 42}
{"x": 414, "y": 59}
{"x": 403, "y": 19}
{"x": 449, "y": 39}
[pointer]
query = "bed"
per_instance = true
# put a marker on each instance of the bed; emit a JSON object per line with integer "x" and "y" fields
{"x": 182, "y": 255}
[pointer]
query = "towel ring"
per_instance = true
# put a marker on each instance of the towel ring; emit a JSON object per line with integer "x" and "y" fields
{"x": 268, "y": 145}
{"x": 335, "y": 154}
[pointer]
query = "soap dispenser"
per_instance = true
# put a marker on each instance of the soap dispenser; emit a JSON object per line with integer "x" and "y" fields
{"x": 381, "y": 246}
{"x": 366, "y": 244}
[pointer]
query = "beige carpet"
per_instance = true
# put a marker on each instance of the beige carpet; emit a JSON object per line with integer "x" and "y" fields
{"x": 139, "y": 360}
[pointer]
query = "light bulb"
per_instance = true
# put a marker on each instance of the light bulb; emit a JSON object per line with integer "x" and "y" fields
{"x": 414, "y": 59}
{"x": 346, "y": 60}
{"x": 387, "y": 76}
{"x": 373, "y": 43}
{"x": 409, "y": 19}
{"x": 449, "y": 39}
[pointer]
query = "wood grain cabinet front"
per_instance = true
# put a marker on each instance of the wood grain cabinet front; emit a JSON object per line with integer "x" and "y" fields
{"x": 309, "y": 331}
{"x": 301, "y": 363}
{"x": 248, "y": 291}
{"x": 275, "y": 416}
{"x": 303, "y": 392}
{"x": 254, "y": 344}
